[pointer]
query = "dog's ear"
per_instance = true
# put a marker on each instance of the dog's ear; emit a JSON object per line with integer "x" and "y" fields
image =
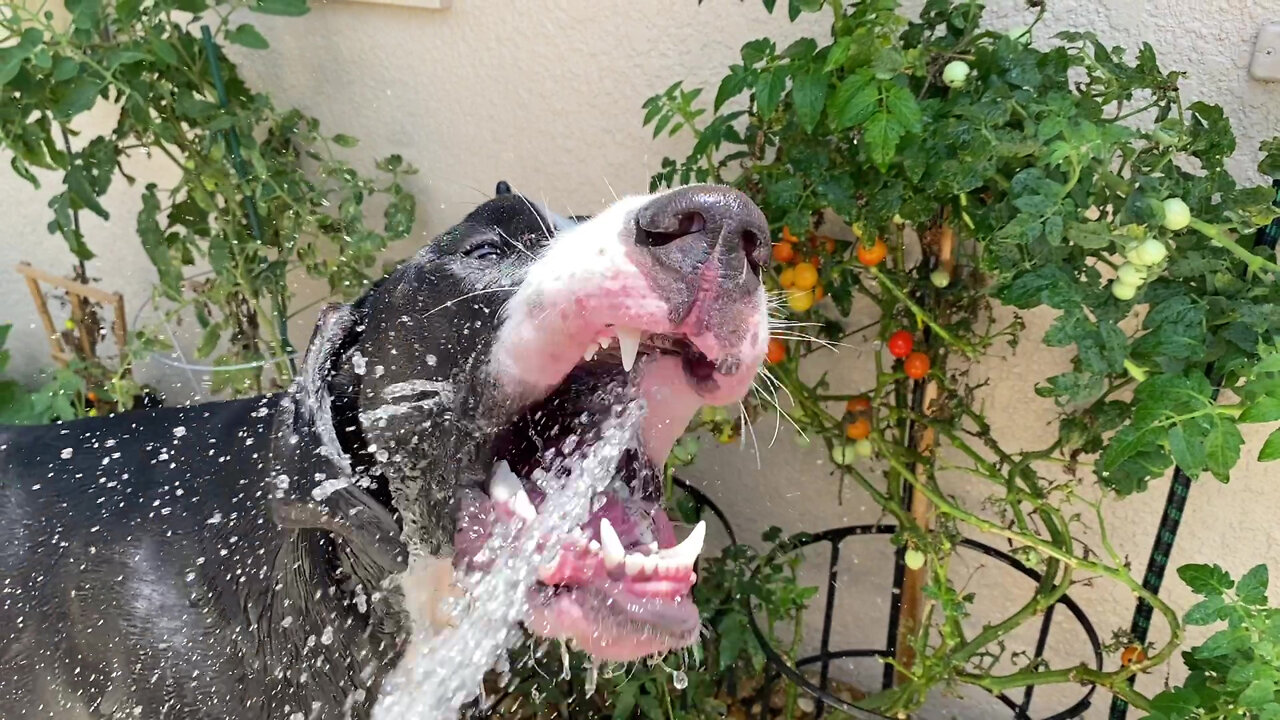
{"x": 333, "y": 334}
{"x": 503, "y": 188}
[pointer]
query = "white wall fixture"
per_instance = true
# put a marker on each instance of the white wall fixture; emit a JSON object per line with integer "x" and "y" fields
{"x": 1266, "y": 54}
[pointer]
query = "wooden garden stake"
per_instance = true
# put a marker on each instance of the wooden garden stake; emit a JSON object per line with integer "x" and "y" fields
{"x": 78, "y": 293}
{"x": 913, "y": 581}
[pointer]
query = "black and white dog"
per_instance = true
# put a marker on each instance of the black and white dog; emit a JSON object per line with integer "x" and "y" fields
{"x": 269, "y": 558}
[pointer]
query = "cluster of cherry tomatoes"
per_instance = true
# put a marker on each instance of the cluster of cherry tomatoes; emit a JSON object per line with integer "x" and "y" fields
{"x": 915, "y": 364}
{"x": 799, "y": 275}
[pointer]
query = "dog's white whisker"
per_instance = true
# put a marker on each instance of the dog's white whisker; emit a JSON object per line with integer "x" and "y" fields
{"x": 469, "y": 295}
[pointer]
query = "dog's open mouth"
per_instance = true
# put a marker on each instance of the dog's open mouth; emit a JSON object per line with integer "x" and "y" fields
{"x": 619, "y": 587}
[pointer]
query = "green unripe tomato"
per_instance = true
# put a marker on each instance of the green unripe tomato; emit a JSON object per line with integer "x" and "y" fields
{"x": 844, "y": 454}
{"x": 914, "y": 559}
{"x": 1176, "y": 214}
{"x": 863, "y": 448}
{"x": 1123, "y": 291}
{"x": 1131, "y": 274}
{"x": 899, "y": 220}
{"x": 955, "y": 73}
{"x": 1151, "y": 252}
{"x": 940, "y": 278}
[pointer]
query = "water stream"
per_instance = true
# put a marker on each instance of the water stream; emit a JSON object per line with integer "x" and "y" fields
{"x": 446, "y": 671}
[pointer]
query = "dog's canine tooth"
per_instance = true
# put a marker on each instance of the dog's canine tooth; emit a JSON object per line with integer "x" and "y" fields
{"x": 629, "y": 344}
{"x": 523, "y": 506}
{"x": 590, "y": 354}
{"x": 504, "y": 484}
{"x": 611, "y": 544}
{"x": 688, "y": 551}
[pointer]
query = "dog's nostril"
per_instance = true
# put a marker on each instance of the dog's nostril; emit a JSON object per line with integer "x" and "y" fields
{"x": 686, "y": 223}
{"x": 751, "y": 244}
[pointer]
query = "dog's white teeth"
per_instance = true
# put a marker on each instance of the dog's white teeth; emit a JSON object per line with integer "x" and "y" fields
{"x": 629, "y": 344}
{"x": 590, "y": 354}
{"x": 523, "y": 506}
{"x": 611, "y": 545}
{"x": 504, "y": 484}
{"x": 636, "y": 564}
{"x": 594, "y": 546}
{"x": 688, "y": 551}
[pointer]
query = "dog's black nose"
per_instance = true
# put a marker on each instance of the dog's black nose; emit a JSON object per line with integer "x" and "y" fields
{"x": 704, "y": 221}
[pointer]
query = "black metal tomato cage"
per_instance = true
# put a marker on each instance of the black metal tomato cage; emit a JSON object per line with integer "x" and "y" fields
{"x": 835, "y": 537}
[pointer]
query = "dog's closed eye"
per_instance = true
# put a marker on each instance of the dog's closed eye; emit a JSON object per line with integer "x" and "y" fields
{"x": 487, "y": 250}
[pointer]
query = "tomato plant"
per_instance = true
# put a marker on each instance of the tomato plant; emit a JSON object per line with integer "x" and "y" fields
{"x": 971, "y": 168}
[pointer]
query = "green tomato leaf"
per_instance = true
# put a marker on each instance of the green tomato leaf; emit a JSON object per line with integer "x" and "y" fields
{"x": 1259, "y": 693}
{"x": 881, "y": 135}
{"x": 77, "y": 97}
{"x": 853, "y": 102}
{"x": 1206, "y": 580}
{"x": 345, "y": 141}
{"x": 901, "y": 103}
{"x": 731, "y": 86}
{"x": 1266, "y": 409}
{"x": 1222, "y": 447}
{"x": 1252, "y": 588}
{"x": 770, "y": 85}
{"x": 248, "y": 36}
{"x": 838, "y": 53}
{"x": 1205, "y": 612}
{"x": 1175, "y": 704}
{"x": 809, "y": 94}
{"x": 1271, "y": 448}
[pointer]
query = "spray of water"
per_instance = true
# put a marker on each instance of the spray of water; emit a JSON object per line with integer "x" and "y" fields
{"x": 447, "y": 670}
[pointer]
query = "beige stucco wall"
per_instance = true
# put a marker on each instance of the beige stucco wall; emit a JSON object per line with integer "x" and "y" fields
{"x": 546, "y": 94}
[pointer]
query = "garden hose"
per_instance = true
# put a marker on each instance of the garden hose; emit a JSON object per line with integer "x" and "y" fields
{"x": 1174, "y": 506}
{"x": 232, "y": 139}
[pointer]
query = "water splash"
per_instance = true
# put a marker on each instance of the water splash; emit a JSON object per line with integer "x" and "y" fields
{"x": 447, "y": 670}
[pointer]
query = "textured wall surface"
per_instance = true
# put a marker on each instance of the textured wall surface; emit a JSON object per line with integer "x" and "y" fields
{"x": 547, "y": 94}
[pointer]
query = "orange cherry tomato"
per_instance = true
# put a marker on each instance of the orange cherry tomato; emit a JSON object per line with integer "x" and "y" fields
{"x": 806, "y": 276}
{"x": 777, "y": 351}
{"x": 858, "y": 429}
{"x": 900, "y": 344}
{"x": 784, "y": 252}
{"x": 787, "y": 237}
{"x": 814, "y": 260}
{"x": 1131, "y": 655}
{"x": 873, "y": 255}
{"x": 787, "y": 278}
{"x": 92, "y": 396}
{"x": 916, "y": 365}
{"x": 818, "y": 293}
{"x": 828, "y": 244}
{"x": 860, "y": 404}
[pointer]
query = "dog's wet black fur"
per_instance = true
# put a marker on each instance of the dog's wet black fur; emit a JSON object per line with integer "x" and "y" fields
{"x": 174, "y": 563}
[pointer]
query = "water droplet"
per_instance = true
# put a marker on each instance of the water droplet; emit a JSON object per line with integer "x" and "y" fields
{"x": 679, "y": 680}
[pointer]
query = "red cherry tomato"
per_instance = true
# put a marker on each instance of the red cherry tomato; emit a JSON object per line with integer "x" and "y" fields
{"x": 860, "y": 404}
{"x": 777, "y": 351}
{"x": 900, "y": 344}
{"x": 916, "y": 365}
